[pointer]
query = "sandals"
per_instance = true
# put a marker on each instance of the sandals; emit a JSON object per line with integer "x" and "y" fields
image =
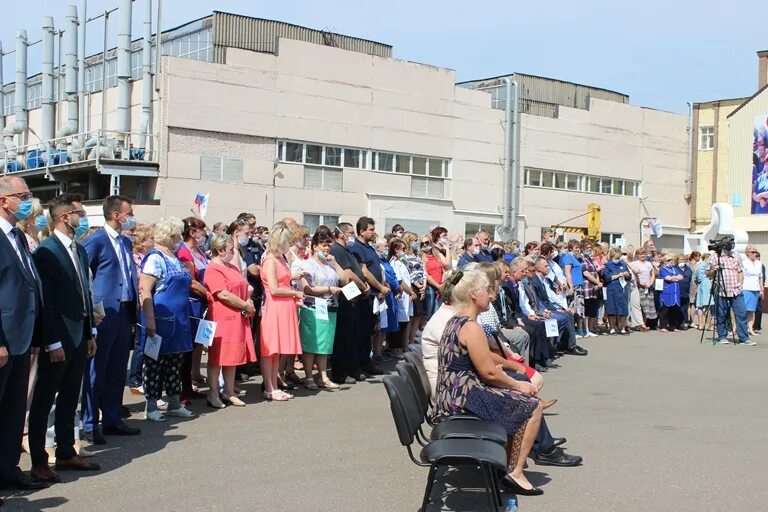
{"x": 326, "y": 384}
{"x": 277, "y": 396}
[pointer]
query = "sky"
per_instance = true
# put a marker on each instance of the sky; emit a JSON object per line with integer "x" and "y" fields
{"x": 662, "y": 53}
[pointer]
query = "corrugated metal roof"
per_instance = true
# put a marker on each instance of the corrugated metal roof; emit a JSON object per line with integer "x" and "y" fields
{"x": 551, "y": 91}
{"x": 257, "y": 34}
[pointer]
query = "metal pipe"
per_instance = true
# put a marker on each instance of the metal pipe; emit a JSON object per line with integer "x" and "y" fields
{"x": 688, "y": 184}
{"x": 515, "y": 202}
{"x": 506, "y": 228}
{"x": 2, "y": 94}
{"x": 22, "y": 119}
{"x": 48, "y": 101}
{"x": 71, "y": 73}
{"x": 104, "y": 76}
{"x": 125, "y": 17}
{"x": 158, "y": 43}
{"x": 81, "y": 74}
{"x": 146, "y": 81}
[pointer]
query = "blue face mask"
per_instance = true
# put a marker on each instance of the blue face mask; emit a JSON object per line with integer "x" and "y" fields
{"x": 130, "y": 223}
{"x": 415, "y": 246}
{"x": 243, "y": 242}
{"x": 41, "y": 222}
{"x": 24, "y": 210}
{"x": 82, "y": 227}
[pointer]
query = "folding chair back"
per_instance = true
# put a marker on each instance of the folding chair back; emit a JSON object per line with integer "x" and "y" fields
{"x": 404, "y": 408}
{"x": 418, "y": 362}
{"x": 411, "y": 375}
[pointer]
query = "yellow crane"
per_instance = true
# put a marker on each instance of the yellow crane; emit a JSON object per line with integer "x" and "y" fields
{"x": 591, "y": 231}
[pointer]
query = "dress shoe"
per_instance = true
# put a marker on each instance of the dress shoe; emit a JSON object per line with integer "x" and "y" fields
{"x": 76, "y": 463}
{"x": 578, "y": 351}
{"x": 94, "y": 437}
{"x": 372, "y": 371}
{"x": 347, "y": 380}
{"x": 540, "y": 369}
{"x": 121, "y": 430}
{"x": 518, "y": 489}
{"x": 360, "y": 377}
{"x": 44, "y": 474}
{"x": 557, "y": 457}
{"x": 125, "y": 412}
{"x": 551, "y": 364}
{"x": 22, "y": 482}
{"x": 558, "y": 441}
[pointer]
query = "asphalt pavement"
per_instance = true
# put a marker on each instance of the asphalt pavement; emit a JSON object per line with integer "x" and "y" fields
{"x": 663, "y": 423}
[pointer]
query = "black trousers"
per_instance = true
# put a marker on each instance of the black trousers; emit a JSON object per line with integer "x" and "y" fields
{"x": 685, "y": 302}
{"x": 365, "y": 324}
{"x": 670, "y": 317}
{"x": 758, "y": 324}
{"x": 13, "y": 406}
{"x": 344, "y": 359}
{"x": 64, "y": 378}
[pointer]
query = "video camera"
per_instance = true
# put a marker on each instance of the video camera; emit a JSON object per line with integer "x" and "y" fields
{"x": 724, "y": 242}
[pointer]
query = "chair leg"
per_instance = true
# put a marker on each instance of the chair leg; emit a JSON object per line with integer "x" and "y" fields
{"x": 490, "y": 488}
{"x": 428, "y": 490}
{"x": 493, "y": 475}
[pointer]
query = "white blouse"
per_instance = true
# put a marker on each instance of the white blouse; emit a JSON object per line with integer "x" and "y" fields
{"x": 753, "y": 275}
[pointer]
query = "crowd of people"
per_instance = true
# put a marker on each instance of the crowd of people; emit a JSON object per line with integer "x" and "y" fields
{"x": 89, "y": 310}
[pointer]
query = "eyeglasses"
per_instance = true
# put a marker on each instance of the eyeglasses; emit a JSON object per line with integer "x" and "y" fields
{"x": 21, "y": 196}
{"x": 81, "y": 213}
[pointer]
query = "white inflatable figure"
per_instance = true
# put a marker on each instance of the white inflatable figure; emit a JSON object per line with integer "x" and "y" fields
{"x": 722, "y": 224}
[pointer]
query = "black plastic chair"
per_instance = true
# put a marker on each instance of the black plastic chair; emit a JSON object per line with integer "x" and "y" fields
{"x": 489, "y": 457}
{"x": 456, "y": 428}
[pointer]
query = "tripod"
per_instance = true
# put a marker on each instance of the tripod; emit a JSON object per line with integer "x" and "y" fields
{"x": 718, "y": 283}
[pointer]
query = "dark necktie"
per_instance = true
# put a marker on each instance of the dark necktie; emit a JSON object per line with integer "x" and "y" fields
{"x": 22, "y": 246}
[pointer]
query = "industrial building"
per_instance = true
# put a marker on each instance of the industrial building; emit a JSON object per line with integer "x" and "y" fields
{"x": 283, "y": 121}
{"x": 729, "y": 143}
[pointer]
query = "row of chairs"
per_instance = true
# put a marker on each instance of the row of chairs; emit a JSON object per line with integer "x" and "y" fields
{"x": 453, "y": 441}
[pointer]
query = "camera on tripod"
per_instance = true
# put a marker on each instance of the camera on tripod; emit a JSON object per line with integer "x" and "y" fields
{"x": 724, "y": 242}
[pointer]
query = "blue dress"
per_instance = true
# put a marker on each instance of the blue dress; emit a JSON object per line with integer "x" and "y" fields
{"x": 171, "y": 301}
{"x": 393, "y": 284}
{"x": 704, "y": 284}
{"x": 670, "y": 295}
{"x": 617, "y": 302}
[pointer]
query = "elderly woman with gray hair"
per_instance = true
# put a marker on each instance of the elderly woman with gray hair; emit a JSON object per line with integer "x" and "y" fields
{"x": 164, "y": 298}
{"x": 231, "y": 308}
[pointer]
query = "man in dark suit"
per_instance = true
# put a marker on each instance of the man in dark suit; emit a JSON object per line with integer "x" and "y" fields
{"x": 115, "y": 285}
{"x": 67, "y": 337}
{"x": 541, "y": 284}
{"x": 21, "y": 298}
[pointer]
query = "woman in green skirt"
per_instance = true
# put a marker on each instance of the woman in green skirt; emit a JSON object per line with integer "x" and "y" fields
{"x": 322, "y": 278}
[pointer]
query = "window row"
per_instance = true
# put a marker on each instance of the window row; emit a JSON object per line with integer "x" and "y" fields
{"x": 353, "y": 158}
{"x": 580, "y": 183}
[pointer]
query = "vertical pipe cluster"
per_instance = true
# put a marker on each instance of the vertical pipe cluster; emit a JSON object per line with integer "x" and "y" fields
{"x": 81, "y": 75}
{"x": 146, "y": 82}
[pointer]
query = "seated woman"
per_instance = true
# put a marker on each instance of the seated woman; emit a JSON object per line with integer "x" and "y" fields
{"x": 470, "y": 382}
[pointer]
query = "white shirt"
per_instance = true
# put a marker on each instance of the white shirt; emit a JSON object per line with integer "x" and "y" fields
{"x": 522, "y": 300}
{"x": 753, "y": 274}
{"x": 67, "y": 242}
{"x": 7, "y": 227}
{"x": 122, "y": 258}
{"x": 430, "y": 341}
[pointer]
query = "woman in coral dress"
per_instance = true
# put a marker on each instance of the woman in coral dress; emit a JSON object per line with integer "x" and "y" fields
{"x": 279, "y": 318}
{"x": 231, "y": 308}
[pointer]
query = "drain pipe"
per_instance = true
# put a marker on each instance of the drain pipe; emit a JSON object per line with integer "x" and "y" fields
{"x": 124, "y": 71}
{"x": 509, "y": 216}
{"x": 2, "y": 85}
{"x": 49, "y": 103}
{"x": 21, "y": 123}
{"x": 146, "y": 81}
{"x": 515, "y": 202}
{"x": 688, "y": 184}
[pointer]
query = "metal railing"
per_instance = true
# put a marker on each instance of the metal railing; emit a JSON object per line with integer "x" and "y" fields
{"x": 90, "y": 146}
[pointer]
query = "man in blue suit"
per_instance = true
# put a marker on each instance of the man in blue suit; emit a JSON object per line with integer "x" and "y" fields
{"x": 115, "y": 285}
{"x": 21, "y": 300}
{"x": 542, "y": 286}
{"x": 68, "y": 338}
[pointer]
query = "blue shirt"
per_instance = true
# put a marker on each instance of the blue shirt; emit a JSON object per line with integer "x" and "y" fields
{"x": 366, "y": 255}
{"x": 577, "y": 270}
{"x": 670, "y": 295}
{"x": 484, "y": 257}
{"x": 464, "y": 260}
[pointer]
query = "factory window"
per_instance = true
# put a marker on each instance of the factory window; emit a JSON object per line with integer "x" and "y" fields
{"x": 93, "y": 77}
{"x": 9, "y": 103}
{"x": 215, "y": 168}
{"x": 353, "y": 158}
{"x": 541, "y": 178}
{"x": 471, "y": 229}
{"x": 195, "y": 46}
{"x": 136, "y": 64}
{"x": 427, "y": 188}
{"x": 314, "y": 220}
{"x": 706, "y": 137}
{"x": 323, "y": 178}
{"x": 611, "y": 238}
